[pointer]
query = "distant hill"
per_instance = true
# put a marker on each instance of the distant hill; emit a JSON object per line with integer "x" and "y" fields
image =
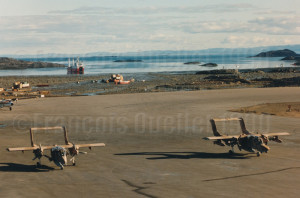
{"x": 277, "y": 53}
{"x": 210, "y": 51}
{"x": 10, "y": 63}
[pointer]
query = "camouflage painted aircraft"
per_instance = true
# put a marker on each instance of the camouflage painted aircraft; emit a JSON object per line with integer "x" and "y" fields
{"x": 58, "y": 152}
{"x": 6, "y": 103}
{"x": 246, "y": 141}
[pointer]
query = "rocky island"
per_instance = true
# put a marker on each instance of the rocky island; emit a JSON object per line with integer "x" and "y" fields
{"x": 209, "y": 65}
{"x": 277, "y": 53}
{"x": 11, "y": 63}
{"x": 192, "y": 63}
{"x": 288, "y": 55}
{"x": 297, "y": 64}
{"x": 296, "y": 57}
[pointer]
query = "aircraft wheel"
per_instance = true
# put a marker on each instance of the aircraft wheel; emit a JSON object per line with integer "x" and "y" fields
{"x": 74, "y": 164}
{"x": 258, "y": 154}
{"x": 231, "y": 152}
{"x": 10, "y": 108}
{"x": 38, "y": 164}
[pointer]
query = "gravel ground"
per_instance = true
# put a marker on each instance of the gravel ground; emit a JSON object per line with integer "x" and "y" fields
{"x": 76, "y": 85}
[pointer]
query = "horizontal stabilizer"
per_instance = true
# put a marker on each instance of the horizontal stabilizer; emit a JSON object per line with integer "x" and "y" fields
{"x": 221, "y": 137}
{"x": 226, "y": 119}
{"x": 46, "y": 128}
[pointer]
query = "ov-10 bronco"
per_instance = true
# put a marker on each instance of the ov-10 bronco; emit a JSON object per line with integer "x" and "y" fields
{"x": 246, "y": 140}
{"x": 58, "y": 152}
{"x": 6, "y": 103}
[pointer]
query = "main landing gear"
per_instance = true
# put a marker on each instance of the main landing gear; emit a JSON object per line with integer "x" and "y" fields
{"x": 258, "y": 154}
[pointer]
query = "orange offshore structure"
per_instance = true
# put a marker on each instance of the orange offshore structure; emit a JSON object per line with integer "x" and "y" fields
{"x": 76, "y": 68}
{"x": 58, "y": 152}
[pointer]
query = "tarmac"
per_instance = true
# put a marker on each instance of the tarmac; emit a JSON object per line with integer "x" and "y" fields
{"x": 154, "y": 146}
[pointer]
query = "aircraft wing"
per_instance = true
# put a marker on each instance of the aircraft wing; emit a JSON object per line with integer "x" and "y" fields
{"x": 23, "y": 148}
{"x": 76, "y": 145}
{"x": 275, "y": 134}
{"x": 50, "y": 147}
{"x": 228, "y": 137}
{"x": 82, "y": 145}
{"x": 223, "y": 137}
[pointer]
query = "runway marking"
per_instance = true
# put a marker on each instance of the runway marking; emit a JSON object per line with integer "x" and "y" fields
{"x": 253, "y": 174}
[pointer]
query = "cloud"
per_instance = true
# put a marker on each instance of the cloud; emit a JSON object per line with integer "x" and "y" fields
{"x": 215, "y": 8}
{"x": 146, "y": 28}
{"x": 212, "y": 27}
{"x": 256, "y": 40}
{"x": 282, "y": 25}
{"x": 275, "y": 12}
{"x": 279, "y": 25}
{"x": 65, "y": 24}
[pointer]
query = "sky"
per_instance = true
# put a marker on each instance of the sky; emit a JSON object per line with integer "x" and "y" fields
{"x": 116, "y": 26}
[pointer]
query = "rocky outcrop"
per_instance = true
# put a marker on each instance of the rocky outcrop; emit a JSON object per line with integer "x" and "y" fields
{"x": 219, "y": 71}
{"x": 192, "y": 63}
{"x": 209, "y": 65}
{"x": 297, "y": 64}
{"x": 297, "y": 58}
{"x": 277, "y": 53}
{"x": 10, "y": 63}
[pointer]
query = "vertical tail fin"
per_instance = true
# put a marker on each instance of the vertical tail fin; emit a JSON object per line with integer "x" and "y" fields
{"x": 243, "y": 127}
{"x": 214, "y": 127}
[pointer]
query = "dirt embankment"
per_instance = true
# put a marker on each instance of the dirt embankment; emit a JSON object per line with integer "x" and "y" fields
{"x": 286, "y": 109}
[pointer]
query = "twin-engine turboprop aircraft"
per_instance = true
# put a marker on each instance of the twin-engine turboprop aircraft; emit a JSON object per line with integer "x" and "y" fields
{"x": 6, "y": 103}
{"x": 58, "y": 153}
{"x": 246, "y": 141}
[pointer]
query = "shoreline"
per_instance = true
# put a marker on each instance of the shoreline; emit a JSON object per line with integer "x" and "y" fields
{"x": 284, "y": 109}
{"x": 157, "y": 134}
{"x": 209, "y": 70}
{"x": 86, "y": 85}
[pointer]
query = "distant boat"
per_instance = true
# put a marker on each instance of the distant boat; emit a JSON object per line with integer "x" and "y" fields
{"x": 76, "y": 68}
